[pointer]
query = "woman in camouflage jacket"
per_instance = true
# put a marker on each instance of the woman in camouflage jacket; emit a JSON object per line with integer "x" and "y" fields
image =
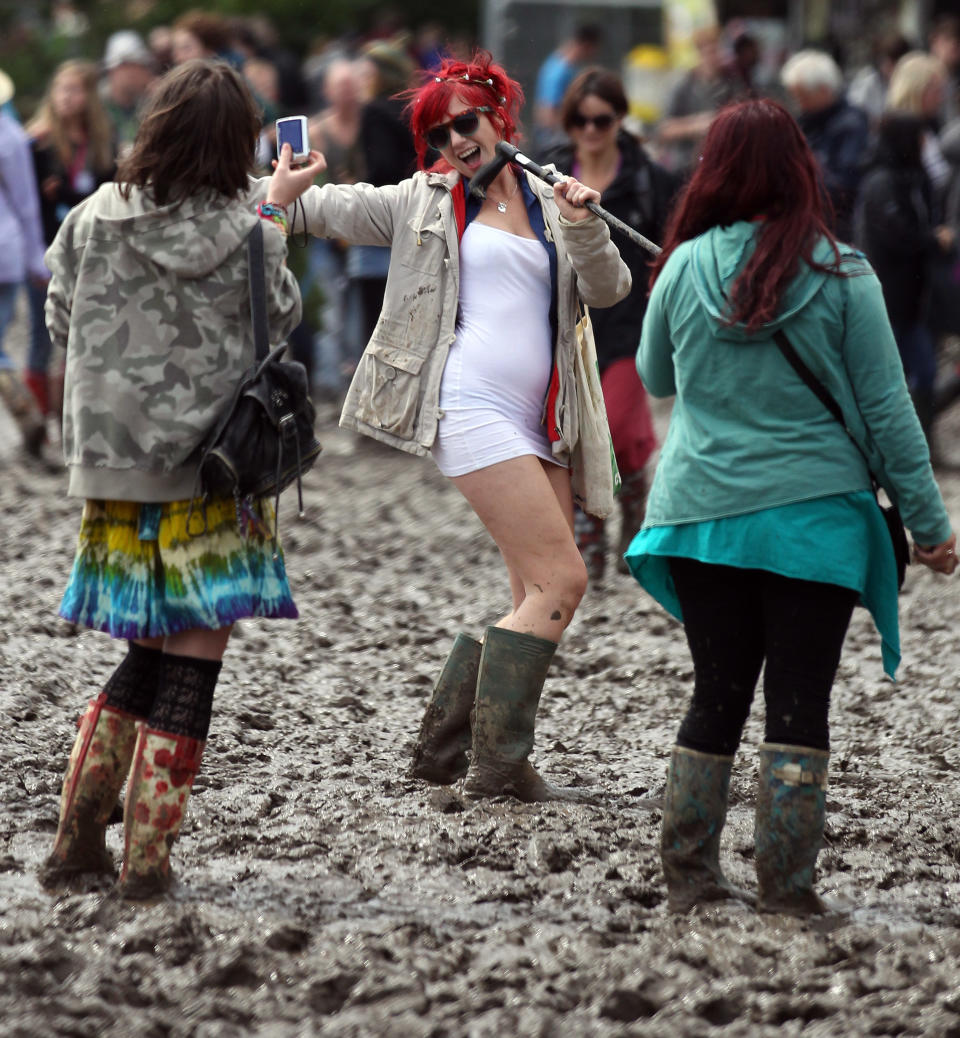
{"x": 150, "y": 299}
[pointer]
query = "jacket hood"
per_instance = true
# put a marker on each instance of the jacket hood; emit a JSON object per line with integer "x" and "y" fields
{"x": 190, "y": 239}
{"x": 718, "y": 256}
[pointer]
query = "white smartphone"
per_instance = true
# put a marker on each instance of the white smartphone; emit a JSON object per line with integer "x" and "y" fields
{"x": 293, "y": 131}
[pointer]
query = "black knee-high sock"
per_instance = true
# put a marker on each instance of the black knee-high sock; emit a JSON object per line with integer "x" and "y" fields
{"x": 184, "y": 702}
{"x": 133, "y": 686}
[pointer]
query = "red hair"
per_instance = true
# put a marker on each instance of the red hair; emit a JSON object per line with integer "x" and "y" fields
{"x": 756, "y": 165}
{"x": 480, "y": 82}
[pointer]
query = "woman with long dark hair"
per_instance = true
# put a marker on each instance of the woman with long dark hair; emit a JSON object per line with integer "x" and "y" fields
{"x": 73, "y": 154}
{"x": 472, "y": 359}
{"x": 762, "y": 531}
{"x": 602, "y": 154}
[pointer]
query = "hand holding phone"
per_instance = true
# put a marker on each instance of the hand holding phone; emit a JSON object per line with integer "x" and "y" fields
{"x": 293, "y": 131}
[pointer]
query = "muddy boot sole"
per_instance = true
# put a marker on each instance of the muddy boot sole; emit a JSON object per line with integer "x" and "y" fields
{"x": 145, "y": 887}
{"x": 58, "y": 872}
{"x": 805, "y": 904}
{"x": 703, "y": 890}
{"x": 521, "y": 781}
{"x": 438, "y": 772}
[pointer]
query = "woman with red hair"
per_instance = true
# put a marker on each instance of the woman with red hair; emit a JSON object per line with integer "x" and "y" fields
{"x": 762, "y": 530}
{"x": 472, "y": 359}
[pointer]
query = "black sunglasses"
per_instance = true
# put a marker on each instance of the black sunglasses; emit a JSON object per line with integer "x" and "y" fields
{"x": 601, "y": 122}
{"x": 466, "y": 123}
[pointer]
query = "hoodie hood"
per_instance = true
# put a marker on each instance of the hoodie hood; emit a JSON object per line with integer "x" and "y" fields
{"x": 718, "y": 256}
{"x": 190, "y": 239}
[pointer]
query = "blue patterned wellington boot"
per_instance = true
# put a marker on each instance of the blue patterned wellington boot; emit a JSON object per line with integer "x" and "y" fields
{"x": 791, "y": 811}
{"x": 694, "y": 812}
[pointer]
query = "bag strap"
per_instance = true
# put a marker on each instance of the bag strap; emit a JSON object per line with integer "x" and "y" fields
{"x": 820, "y": 391}
{"x": 258, "y": 292}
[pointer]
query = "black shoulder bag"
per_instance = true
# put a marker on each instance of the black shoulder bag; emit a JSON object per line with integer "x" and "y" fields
{"x": 263, "y": 439}
{"x": 891, "y": 514}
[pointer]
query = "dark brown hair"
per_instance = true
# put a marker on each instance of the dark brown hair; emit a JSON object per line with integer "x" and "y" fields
{"x": 211, "y": 29}
{"x": 198, "y": 134}
{"x": 755, "y": 165}
{"x": 593, "y": 82}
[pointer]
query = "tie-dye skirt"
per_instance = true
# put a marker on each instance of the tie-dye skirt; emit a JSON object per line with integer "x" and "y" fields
{"x": 140, "y": 573}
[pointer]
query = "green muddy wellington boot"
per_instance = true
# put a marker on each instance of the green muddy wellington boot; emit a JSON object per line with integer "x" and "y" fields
{"x": 513, "y": 667}
{"x": 441, "y": 751}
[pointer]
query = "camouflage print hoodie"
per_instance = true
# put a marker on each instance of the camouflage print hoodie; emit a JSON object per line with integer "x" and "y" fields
{"x": 152, "y": 305}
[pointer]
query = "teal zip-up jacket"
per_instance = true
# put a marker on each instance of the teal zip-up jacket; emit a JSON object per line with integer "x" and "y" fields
{"x": 746, "y": 433}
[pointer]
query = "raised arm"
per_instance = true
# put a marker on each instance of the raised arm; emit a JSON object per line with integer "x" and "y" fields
{"x": 603, "y": 278}
{"x": 358, "y": 213}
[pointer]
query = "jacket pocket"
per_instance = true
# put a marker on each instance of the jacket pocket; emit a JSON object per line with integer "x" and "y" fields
{"x": 391, "y": 389}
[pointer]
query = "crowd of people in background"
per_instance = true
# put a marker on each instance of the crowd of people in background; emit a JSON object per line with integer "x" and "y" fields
{"x": 449, "y": 319}
{"x": 887, "y": 137}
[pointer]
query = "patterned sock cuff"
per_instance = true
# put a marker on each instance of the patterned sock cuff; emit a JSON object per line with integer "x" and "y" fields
{"x": 184, "y": 703}
{"x": 132, "y": 687}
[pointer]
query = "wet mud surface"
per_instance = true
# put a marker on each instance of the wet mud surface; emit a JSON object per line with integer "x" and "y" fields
{"x": 322, "y": 892}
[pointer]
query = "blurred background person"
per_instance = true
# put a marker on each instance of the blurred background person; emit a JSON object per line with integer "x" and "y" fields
{"x": 20, "y": 259}
{"x": 603, "y": 155}
{"x": 917, "y": 87}
{"x": 264, "y": 82}
{"x": 837, "y": 132}
{"x": 160, "y": 42}
{"x": 869, "y": 86}
{"x": 255, "y": 36}
{"x": 389, "y": 156}
{"x": 744, "y": 62}
{"x": 693, "y": 102}
{"x": 554, "y": 76}
{"x": 945, "y": 46}
{"x": 897, "y": 227}
{"x": 336, "y": 132}
{"x": 73, "y": 154}
{"x": 129, "y": 70}
{"x": 200, "y": 34}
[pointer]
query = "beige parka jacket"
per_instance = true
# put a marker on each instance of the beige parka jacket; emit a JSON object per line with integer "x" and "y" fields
{"x": 394, "y": 395}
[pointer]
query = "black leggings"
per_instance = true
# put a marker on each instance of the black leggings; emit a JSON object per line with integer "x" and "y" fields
{"x": 735, "y": 619}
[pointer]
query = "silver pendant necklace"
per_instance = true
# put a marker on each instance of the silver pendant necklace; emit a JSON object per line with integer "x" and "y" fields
{"x": 502, "y": 205}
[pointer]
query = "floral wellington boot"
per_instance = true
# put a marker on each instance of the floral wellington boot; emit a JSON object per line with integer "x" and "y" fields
{"x": 96, "y": 771}
{"x": 162, "y": 775}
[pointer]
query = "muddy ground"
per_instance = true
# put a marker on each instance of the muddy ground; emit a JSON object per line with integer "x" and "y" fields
{"x": 322, "y": 892}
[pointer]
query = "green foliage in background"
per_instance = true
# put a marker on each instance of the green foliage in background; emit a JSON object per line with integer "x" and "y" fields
{"x": 31, "y": 46}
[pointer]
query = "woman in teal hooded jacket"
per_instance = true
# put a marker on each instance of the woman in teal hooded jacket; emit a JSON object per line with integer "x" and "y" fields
{"x": 762, "y": 531}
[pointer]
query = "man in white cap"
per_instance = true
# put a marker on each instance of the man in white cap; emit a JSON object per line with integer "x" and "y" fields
{"x": 21, "y": 257}
{"x": 129, "y": 70}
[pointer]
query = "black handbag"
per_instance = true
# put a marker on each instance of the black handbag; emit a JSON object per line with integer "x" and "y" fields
{"x": 263, "y": 440}
{"x": 891, "y": 514}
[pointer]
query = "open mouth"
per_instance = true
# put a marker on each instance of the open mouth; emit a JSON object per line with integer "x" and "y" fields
{"x": 470, "y": 157}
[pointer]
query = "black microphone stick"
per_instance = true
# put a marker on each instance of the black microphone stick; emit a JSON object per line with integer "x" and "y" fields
{"x": 506, "y": 152}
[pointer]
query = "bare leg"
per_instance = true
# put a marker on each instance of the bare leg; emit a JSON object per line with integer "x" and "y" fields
{"x": 200, "y": 644}
{"x": 527, "y": 507}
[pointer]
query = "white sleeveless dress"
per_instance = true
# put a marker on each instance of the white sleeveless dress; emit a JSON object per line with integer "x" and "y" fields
{"x": 498, "y": 370}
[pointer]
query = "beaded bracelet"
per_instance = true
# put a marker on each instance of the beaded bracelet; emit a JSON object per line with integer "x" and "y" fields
{"x": 274, "y": 213}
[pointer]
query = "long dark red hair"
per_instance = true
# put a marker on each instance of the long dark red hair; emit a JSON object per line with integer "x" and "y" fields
{"x": 479, "y": 82}
{"x": 756, "y": 165}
